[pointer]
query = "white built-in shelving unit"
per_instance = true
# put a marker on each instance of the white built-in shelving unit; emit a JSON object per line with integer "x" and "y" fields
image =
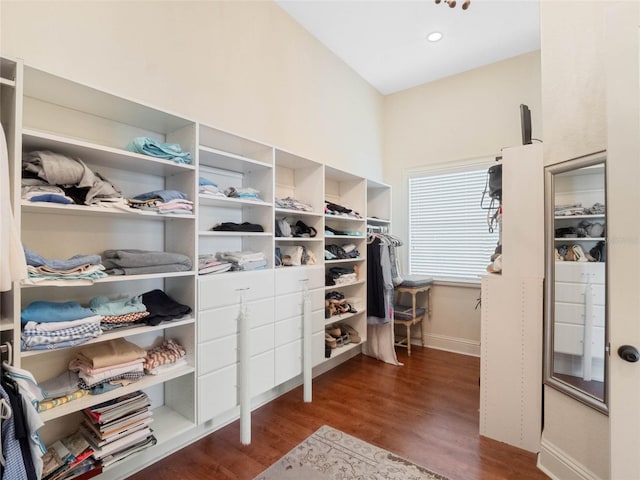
{"x": 41, "y": 111}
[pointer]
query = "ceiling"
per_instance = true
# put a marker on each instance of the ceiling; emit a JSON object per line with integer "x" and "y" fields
{"x": 384, "y": 41}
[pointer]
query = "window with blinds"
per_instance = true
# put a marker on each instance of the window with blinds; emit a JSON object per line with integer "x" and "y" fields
{"x": 449, "y": 236}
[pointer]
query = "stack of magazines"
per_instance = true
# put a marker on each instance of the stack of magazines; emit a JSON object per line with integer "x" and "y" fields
{"x": 118, "y": 428}
{"x": 70, "y": 457}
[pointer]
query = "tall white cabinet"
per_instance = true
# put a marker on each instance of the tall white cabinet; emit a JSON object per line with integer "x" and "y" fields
{"x": 282, "y": 307}
{"x": 512, "y": 305}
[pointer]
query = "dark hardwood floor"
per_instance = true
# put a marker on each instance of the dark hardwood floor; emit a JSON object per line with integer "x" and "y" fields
{"x": 425, "y": 411}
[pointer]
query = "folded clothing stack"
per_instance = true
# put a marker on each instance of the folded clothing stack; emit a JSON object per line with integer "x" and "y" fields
{"x": 245, "y": 193}
{"x": 244, "y": 261}
{"x": 140, "y": 262}
{"x": 293, "y": 204}
{"x": 52, "y": 325}
{"x": 162, "y": 308}
{"x": 165, "y": 357}
{"x": 331, "y": 208}
{"x": 341, "y": 275}
{"x": 153, "y": 148}
{"x": 104, "y": 366}
{"x": 78, "y": 182}
{"x": 341, "y": 252}
{"x": 120, "y": 312}
{"x": 237, "y": 227}
{"x": 208, "y": 263}
{"x": 77, "y": 270}
{"x": 162, "y": 201}
{"x": 209, "y": 188}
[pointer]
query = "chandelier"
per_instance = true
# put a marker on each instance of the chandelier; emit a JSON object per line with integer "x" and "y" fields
{"x": 452, "y": 3}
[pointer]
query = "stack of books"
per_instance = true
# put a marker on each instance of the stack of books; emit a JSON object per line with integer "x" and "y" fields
{"x": 118, "y": 428}
{"x": 70, "y": 457}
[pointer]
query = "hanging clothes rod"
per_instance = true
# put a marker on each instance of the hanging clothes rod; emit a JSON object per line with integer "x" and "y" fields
{"x": 8, "y": 349}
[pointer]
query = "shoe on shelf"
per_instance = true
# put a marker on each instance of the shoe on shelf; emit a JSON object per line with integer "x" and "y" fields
{"x": 330, "y": 341}
{"x": 352, "y": 332}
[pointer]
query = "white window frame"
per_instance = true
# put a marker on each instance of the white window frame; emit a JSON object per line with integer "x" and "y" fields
{"x": 481, "y": 163}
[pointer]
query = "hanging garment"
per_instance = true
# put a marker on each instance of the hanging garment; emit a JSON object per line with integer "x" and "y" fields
{"x": 375, "y": 281}
{"x": 13, "y": 266}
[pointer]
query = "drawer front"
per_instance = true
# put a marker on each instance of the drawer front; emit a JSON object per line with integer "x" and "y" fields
{"x": 568, "y": 339}
{"x": 291, "y": 280}
{"x": 262, "y": 373}
{"x": 224, "y": 351}
{"x": 217, "y": 393}
{"x": 217, "y": 354}
{"x": 317, "y": 345}
{"x": 574, "y": 313}
{"x": 580, "y": 272}
{"x": 287, "y": 331}
{"x": 225, "y": 289}
{"x": 288, "y": 361}
{"x": 575, "y": 293}
{"x": 221, "y": 322}
{"x": 291, "y": 305}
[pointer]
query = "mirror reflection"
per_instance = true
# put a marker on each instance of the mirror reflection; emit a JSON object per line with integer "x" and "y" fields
{"x": 576, "y": 315}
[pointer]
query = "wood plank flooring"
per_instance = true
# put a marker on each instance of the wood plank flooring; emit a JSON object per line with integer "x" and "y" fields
{"x": 425, "y": 411}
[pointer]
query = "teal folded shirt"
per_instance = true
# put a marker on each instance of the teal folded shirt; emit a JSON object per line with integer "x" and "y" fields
{"x": 122, "y": 306}
{"x": 44, "y": 312}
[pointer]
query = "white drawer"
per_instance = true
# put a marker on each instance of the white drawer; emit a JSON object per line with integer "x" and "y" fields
{"x": 224, "y": 351}
{"x": 290, "y": 280}
{"x": 220, "y": 322}
{"x": 317, "y": 345}
{"x": 291, "y": 304}
{"x": 262, "y": 373}
{"x": 570, "y": 339}
{"x": 575, "y": 293}
{"x": 217, "y": 354}
{"x": 580, "y": 272}
{"x": 574, "y": 313}
{"x": 217, "y": 393}
{"x": 287, "y": 331}
{"x": 288, "y": 361}
{"x": 225, "y": 289}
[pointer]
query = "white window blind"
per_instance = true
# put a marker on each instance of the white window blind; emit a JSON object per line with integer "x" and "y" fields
{"x": 449, "y": 237}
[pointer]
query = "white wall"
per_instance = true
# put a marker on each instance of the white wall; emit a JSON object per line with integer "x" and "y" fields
{"x": 466, "y": 116}
{"x": 574, "y": 123}
{"x": 243, "y": 66}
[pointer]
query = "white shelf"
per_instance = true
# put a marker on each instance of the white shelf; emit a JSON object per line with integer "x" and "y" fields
{"x": 5, "y": 81}
{"x": 358, "y": 237}
{"x": 6, "y": 325}
{"x": 333, "y": 287}
{"x": 60, "y": 209}
{"x": 336, "y": 352}
{"x": 340, "y": 218}
{"x": 119, "y": 333}
{"x": 579, "y": 239}
{"x": 168, "y": 424}
{"x": 298, "y": 239}
{"x": 101, "y": 155}
{"x": 211, "y": 157}
{"x": 209, "y": 233}
{"x": 378, "y": 221}
{"x": 572, "y": 217}
{"x": 291, "y": 212}
{"x": 343, "y": 260}
{"x": 91, "y": 400}
{"x": 339, "y": 318}
{"x": 121, "y": 278}
{"x": 230, "y": 202}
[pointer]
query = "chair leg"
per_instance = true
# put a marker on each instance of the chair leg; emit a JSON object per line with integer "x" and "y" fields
{"x": 408, "y": 339}
{"x": 422, "y": 332}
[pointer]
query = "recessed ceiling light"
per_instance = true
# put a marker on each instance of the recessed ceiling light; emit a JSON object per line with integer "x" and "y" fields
{"x": 434, "y": 37}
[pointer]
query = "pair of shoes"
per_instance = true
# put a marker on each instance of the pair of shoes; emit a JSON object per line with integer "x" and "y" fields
{"x": 330, "y": 341}
{"x": 352, "y": 332}
{"x": 334, "y": 331}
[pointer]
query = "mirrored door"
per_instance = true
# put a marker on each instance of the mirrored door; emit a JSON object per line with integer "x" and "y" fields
{"x": 576, "y": 307}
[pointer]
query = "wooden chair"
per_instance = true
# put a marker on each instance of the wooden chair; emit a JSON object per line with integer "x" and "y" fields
{"x": 410, "y": 315}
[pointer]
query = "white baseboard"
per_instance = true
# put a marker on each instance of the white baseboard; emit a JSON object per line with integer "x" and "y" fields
{"x": 556, "y": 464}
{"x": 450, "y": 344}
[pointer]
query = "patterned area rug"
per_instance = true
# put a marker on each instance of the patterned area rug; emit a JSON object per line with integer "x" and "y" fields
{"x": 329, "y": 454}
